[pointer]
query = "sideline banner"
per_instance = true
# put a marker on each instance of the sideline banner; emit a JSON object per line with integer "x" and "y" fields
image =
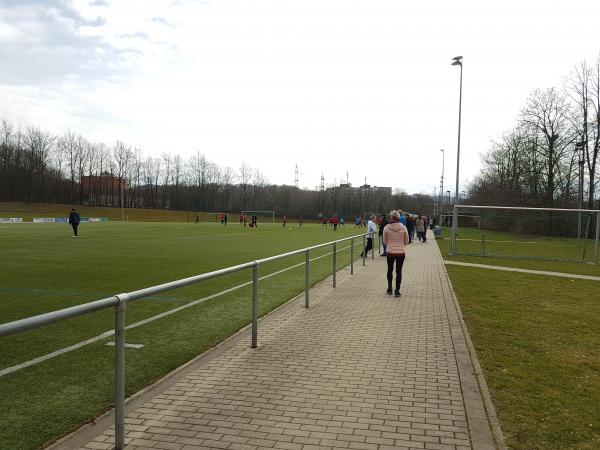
{"x": 11, "y": 219}
{"x": 44, "y": 220}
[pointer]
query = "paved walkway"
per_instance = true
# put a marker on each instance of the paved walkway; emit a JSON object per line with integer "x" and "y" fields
{"x": 359, "y": 369}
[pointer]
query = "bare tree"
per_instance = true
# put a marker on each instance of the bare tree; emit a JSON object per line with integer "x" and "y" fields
{"x": 547, "y": 114}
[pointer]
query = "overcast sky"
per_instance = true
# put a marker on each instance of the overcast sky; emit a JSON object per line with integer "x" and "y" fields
{"x": 360, "y": 87}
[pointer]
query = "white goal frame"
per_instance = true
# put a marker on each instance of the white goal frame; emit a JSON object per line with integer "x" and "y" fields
{"x": 455, "y": 215}
{"x": 264, "y": 213}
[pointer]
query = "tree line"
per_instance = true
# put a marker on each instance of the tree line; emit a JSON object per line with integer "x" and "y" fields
{"x": 554, "y": 146}
{"x": 38, "y": 166}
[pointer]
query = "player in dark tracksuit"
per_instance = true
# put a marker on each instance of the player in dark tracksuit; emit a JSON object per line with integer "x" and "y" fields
{"x": 74, "y": 220}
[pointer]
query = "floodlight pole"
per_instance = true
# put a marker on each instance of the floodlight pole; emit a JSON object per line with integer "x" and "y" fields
{"x": 442, "y": 185}
{"x": 122, "y": 201}
{"x": 457, "y": 61}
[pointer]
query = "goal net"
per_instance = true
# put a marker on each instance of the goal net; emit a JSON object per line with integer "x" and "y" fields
{"x": 464, "y": 220}
{"x": 527, "y": 233}
{"x": 261, "y": 216}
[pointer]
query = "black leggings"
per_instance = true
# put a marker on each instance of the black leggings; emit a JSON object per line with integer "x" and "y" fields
{"x": 399, "y": 260}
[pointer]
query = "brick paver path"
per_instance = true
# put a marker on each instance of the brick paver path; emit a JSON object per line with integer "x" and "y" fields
{"x": 359, "y": 369}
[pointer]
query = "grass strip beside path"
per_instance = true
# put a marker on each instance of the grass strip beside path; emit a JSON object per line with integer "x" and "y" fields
{"x": 538, "y": 344}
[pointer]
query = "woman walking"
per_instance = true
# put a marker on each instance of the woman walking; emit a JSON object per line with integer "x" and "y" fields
{"x": 395, "y": 237}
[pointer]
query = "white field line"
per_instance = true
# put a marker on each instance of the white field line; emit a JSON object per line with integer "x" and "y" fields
{"x": 488, "y": 241}
{"x": 110, "y": 333}
{"x": 516, "y": 269}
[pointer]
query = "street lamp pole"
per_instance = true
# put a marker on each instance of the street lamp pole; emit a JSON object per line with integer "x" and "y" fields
{"x": 442, "y": 186}
{"x": 457, "y": 61}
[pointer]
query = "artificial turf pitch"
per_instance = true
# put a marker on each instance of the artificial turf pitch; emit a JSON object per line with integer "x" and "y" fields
{"x": 44, "y": 269}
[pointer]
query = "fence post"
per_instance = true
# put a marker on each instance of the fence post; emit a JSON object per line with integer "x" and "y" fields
{"x": 352, "y": 256}
{"x": 120, "y": 371}
{"x": 364, "y": 253}
{"x": 254, "y": 304}
{"x": 307, "y": 280}
{"x": 454, "y": 230}
{"x": 596, "y": 249}
{"x": 334, "y": 261}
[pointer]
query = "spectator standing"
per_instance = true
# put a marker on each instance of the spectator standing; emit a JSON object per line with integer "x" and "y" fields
{"x": 420, "y": 228}
{"x": 410, "y": 226}
{"x": 395, "y": 237}
{"x": 382, "y": 225}
{"x": 371, "y": 229}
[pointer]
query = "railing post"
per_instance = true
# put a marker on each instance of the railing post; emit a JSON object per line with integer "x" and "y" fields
{"x": 254, "y": 304}
{"x": 352, "y": 256}
{"x": 334, "y": 261}
{"x": 373, "y": 249}
{"x": 307, "y": 280}
{"x": 120, "y": 371}
{"x": 364, "y": 252}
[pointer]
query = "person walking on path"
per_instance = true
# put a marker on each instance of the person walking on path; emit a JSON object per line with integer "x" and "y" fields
{"x": 395, "y": 237}
{"x": 371, "y": 229}
{"x": 382, "y": 225}
{"x": 74, "y": 220}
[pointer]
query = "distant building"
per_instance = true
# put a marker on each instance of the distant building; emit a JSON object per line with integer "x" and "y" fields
{"x": 105, "y": 182}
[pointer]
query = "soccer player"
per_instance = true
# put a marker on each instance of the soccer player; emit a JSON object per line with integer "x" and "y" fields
{"x": 74, "y": 220}
{"x": 225, "y": 219}
{"x": 254, "y": 223}
{"x": 285, "y": 219}
{"x": 222, "y": 218}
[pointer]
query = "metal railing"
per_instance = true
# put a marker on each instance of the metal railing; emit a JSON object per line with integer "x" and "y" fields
{"x": 119, "y": 303}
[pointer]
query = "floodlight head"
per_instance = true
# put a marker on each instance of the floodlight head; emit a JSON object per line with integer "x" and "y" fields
{"x": 457, "y": 58}
{"x": 457, "y": 63}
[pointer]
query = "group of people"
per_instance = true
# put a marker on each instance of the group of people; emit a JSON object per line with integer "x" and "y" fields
{"x": 396, "y": 232}
{"x": 414, "y": 225}
{"x": 333, "y": 222}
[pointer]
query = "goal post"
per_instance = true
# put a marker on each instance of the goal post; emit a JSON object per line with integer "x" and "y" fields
{"x": 261, "y": 215}
{"x": 551, "y": 234}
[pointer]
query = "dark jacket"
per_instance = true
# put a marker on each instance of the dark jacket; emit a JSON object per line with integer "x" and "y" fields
{"x": 382, "y": 225}
{"x": 74, "y": 218}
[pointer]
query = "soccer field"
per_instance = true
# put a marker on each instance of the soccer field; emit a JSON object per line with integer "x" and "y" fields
{"x": 44, "y": 269}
